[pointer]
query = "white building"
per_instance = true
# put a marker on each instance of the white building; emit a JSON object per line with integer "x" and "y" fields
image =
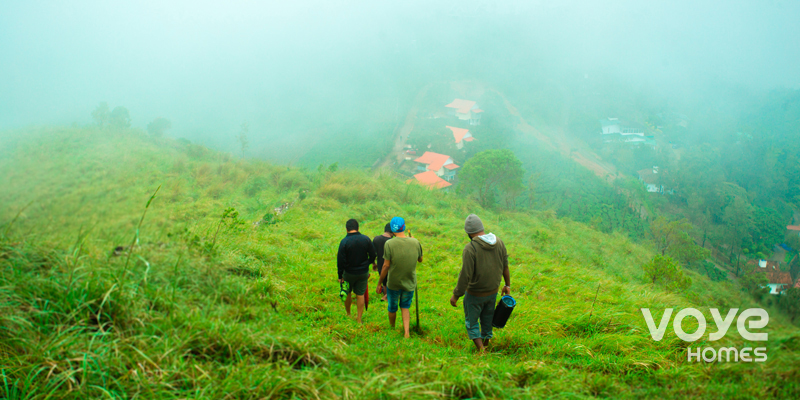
{"x": 616, "y": 130}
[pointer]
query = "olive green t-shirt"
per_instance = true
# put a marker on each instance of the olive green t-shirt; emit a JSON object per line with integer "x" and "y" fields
{"x": 402, "y": 253}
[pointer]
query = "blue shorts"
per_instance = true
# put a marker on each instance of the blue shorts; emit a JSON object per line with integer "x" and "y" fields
{"x": 404, "y": 297}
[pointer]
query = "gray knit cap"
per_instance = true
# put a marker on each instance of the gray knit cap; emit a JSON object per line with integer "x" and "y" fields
{"x": 473, "y": 224}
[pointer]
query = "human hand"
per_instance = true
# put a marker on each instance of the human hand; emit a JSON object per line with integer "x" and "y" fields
{"x": 453, "y": 300}
{"x": 506, "y": 290}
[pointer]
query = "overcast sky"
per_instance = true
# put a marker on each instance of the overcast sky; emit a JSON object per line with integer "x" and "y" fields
{"x": 208, "y": 66}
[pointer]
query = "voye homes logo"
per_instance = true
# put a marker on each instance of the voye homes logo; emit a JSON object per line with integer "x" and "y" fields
{"x": 749, "y": 320}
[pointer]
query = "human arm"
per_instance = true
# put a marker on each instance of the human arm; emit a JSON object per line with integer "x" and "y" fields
{"x": 507, "y": 279}
{"x": 384, "y": 272}
{"x": 387, "y": 262}
{"x": 506, "y": 273}
{"x": 341, "y": 260}
{"x": 464, "y": 277}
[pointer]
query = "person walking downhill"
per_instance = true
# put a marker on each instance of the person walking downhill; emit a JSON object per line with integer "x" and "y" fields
{"x": 484, "y": 262}
{"x": 355, "y": 256}
{"x": 399, "y": 272}
{"x": 378, "y": 242}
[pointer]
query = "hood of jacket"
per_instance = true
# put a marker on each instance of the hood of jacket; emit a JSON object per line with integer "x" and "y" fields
{"x": 487, "y": 241}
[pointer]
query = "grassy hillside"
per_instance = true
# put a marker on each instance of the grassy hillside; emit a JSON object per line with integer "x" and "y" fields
{"x": 220, "y": 298}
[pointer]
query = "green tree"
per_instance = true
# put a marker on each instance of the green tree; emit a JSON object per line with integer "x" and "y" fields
{"x": 739, "y": 223}
{"x": 242, "y": 138}
{"x": 790, "y": 303}
{"x": 158, "y": 126}
{"x": 101, "y": 114}
{"x": 673, "y": 238}
{"x": 120, "y": 117}
{"x": 755, "y": 285}
{"x": 663, "y": 271}
{"x": 491, "y": 173}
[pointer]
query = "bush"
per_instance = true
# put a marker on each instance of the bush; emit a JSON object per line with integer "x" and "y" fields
{"x": 256, "y": 185}
{"x": 662, "y": 270}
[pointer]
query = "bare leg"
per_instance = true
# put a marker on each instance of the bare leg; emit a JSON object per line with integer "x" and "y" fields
{"x": 392, "y": 318}
{"x": 347, "y": 304}
{"x": 360, "y": 307}
{"x": 478, "y": 344}
{"x": 406, "y": 320}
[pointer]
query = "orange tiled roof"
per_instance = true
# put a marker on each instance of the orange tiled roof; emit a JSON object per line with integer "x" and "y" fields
{"x": 435, "y": 161}
{"x": 793, "y": 227}
{"x": 451, "y": 166}
{"x": 461, "y": 105}
{"x": 458, "y": 133}
{"x": 430, "y": 179}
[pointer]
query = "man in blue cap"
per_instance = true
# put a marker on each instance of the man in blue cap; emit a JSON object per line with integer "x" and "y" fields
{"x": 399, "y": 273}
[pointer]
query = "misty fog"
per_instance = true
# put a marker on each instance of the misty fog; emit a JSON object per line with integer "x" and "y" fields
{"x": 297, "y": 71}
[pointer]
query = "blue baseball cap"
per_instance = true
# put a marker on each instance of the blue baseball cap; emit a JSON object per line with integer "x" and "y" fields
{"x": 398, "y": 224}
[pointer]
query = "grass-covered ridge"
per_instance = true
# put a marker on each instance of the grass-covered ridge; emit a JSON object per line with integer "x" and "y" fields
{"x": 246, "y": 306}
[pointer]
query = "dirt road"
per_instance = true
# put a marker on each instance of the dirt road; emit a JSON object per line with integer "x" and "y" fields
{"x": 564, "y": 145}
{"x": 401, "y": 135}
{"x": 573, "y": 149}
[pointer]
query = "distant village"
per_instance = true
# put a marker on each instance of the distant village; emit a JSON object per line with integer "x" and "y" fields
{"x": 437, "y": 171}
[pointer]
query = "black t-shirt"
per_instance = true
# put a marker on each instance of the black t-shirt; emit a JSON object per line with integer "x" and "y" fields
{"x": 378, "y": 242}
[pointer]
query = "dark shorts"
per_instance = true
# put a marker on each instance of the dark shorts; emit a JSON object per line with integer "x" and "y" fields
{"x": 358, "y": 283}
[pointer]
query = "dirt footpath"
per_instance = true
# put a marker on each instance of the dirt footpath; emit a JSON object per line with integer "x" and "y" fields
{"x": 562, "y": 144}
{"x": 401, "y": 135}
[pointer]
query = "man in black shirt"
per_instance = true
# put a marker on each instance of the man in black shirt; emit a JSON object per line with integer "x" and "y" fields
{"x": 355, "y": 256}
{"x": 378, "y": 243}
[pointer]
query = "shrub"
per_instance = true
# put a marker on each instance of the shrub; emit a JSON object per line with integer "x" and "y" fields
{"x": 662, "y": 270}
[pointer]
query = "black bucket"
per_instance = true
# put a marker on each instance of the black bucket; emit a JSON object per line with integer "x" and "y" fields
{"x": 503, "y": 311}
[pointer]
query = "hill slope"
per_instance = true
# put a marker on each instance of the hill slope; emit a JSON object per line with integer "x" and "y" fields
{"x": 221, "y": 298}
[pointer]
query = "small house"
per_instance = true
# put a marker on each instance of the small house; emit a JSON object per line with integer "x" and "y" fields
{"x": 442, "y": 165}
{"x": 650, "y": 178}
{"x": 793, "y": 229}
{"x": 616, "y": 130}
{"x": 461, "y": 135}
{"x": 430, "y": 179}
{"x": 777, "y": 280}
{"x": 466, "y": 110}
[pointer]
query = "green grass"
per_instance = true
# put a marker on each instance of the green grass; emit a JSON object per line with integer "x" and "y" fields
{"x": 213, "y": 305}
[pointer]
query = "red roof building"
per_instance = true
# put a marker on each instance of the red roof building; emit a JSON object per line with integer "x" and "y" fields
{"x": 466, "y": 110}
{"x": 431, "y": 180}
{"x": 461, "y": 135}
{"x": 777, "y": 280}
{"x": 440, "y": 164}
